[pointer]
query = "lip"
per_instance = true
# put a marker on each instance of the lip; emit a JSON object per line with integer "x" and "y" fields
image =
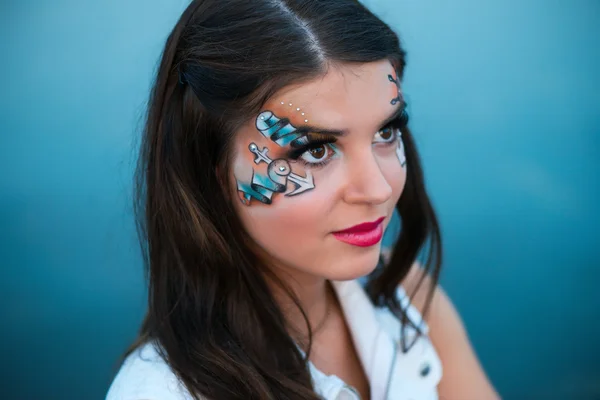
{"x": 362, "y": 235}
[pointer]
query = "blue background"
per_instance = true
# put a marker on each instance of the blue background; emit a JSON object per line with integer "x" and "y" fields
{"x": 505, "y": 102}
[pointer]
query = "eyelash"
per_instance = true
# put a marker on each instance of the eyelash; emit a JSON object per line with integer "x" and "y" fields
{"x": 392, "y": 140}
{"x": 296, "y": 154}
{"x": 396, "y": 125}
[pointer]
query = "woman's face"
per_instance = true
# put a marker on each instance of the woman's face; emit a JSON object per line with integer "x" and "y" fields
{"x": 319, "y": 159}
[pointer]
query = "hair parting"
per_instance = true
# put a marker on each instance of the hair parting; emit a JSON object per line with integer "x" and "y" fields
{"x": 210, "y": 311}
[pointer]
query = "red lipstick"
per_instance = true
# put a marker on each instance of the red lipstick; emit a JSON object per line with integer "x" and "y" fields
{"x": 362, "y": 235}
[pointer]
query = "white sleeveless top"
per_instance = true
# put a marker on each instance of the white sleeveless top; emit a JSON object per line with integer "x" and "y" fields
{"x": 392, "y": 373}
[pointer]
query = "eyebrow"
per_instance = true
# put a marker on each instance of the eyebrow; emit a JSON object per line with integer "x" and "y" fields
{"x": 305, "y": 129}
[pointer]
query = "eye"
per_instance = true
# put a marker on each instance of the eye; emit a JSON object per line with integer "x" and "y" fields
{"x": 386, "y": 135}
{"x": 318, "y": 155}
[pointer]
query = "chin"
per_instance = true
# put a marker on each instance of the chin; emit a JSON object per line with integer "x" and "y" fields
{"x": 353, "y": 266}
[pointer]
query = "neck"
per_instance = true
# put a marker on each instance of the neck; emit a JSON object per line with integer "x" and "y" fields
{"x": 314, "y": 294}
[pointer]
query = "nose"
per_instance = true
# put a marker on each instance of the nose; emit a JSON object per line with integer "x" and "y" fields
{"x": 366, "y": 182}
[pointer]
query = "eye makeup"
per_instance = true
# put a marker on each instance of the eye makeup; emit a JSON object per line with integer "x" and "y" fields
{"x": 311, "y": 146}
{"x": 318, "y": 155}
{"x": 391, "y": 131}
{"x": 307, "y": 143}
{"x": 316, "y": 151}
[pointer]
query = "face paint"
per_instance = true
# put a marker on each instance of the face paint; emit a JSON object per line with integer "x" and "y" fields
{"x": 253, "y": 190}
{"x": 281, "y": 131}
{"x": 400, "y": 150}
{"x": 397, "y": 99}
{"x": 346, "y": 108}
{"x": 302, "y": 184}
{"x": 279, "y": 171}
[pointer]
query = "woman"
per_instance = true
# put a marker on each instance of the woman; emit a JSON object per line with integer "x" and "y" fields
{"x": 275, "y": 152}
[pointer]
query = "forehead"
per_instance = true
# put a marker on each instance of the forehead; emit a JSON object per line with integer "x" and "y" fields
{"x": 348, "y": 96}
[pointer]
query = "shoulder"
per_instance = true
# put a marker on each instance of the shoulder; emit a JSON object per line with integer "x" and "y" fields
{"x": 417, "y": 369}
{"x": 145, "y": 375}
{"x": 464, "y": 376}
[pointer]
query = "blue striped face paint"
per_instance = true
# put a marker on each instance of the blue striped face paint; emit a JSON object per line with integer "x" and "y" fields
{"x": 280, "y": 131}
{"x": 279, "y": 171}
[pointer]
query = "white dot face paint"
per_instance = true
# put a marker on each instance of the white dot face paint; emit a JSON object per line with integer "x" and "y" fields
{"x": 262, "y": 188}
{"x": 348, "y": 158}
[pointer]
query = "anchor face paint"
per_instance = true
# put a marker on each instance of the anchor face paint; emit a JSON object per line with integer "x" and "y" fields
{"x": 279, "y": 171}
{"x": 346, "y": 145}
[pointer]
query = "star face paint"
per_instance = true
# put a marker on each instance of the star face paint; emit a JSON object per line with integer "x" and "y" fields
{"x": 279, "y": 171}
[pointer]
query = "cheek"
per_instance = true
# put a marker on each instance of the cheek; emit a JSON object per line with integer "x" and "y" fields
{"x": 289, "y": 222}
{"x": 394, "y": 174}
{"x": 308, "y": 215}
{"x": 295, "y": 229}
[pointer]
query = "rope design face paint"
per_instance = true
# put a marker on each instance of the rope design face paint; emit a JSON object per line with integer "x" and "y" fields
{"x": 280, "y": 131}
{"x": 302, "y": 183}
{"x": 279, "y": 171}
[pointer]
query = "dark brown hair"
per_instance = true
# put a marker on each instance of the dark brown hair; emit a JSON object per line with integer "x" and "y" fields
{"x": 210, "y": 311}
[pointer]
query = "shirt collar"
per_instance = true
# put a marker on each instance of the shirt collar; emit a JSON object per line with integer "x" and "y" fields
{"x": 376, "y": 349}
